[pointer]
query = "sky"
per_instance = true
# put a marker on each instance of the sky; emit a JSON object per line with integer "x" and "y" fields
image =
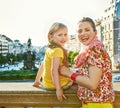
{"x": 24, "y": 19}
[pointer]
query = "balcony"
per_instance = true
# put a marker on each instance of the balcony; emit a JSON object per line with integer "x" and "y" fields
{"x": 23, "y": 95}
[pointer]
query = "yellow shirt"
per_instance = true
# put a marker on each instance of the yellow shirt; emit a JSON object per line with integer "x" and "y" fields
{"x": 47, "y": 78}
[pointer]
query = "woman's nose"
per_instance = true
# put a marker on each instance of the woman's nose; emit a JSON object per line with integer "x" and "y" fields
{"x": 83, "y": 32}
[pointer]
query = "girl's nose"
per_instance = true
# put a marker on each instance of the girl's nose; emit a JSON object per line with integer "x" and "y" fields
{"x": 64, "y": 36}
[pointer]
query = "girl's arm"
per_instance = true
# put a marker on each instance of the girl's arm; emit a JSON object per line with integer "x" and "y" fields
{"x": 56, "y": 78}
{"x": 90, "y": 82}
{"x": 38, "y": 77}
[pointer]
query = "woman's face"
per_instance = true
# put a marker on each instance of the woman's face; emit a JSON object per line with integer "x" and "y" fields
{"x": 86, "y": 33}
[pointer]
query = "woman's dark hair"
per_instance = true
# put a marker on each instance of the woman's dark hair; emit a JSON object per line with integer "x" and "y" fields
{"x": 87, "y": 19}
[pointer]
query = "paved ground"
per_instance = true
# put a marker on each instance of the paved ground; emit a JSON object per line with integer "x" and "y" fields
{"x": 116, "y": 86}
{"x": 17, "y": 86}
{"x": 27, "y": 86}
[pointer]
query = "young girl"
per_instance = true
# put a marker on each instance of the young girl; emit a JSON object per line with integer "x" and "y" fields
{"x": 55, "y": 56}
{"x": 94, "y": 77}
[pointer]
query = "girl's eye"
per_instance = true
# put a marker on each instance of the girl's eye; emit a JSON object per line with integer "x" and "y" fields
{"x": 59, "y": 34}
{"x": 65, "y": 34}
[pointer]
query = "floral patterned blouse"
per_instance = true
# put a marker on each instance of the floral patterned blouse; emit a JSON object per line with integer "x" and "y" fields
{"x": 96, "y": 55}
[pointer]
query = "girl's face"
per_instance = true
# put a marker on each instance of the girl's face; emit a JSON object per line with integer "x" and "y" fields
{"x": 60, "y": 37}
{"x": 86, "y": 33}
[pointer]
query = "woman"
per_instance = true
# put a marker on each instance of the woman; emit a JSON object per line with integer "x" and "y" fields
{"x": 94, "y": 77}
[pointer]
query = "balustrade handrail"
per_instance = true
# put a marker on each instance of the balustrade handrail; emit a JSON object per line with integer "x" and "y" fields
{"x": 23, "y": 94}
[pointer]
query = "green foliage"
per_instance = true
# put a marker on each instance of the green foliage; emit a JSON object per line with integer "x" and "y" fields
{"x": 9, "y": 57}
{"x": 3, "y": 59}
{"x": 71, "y": 57}
{"x": 18, "y": 75}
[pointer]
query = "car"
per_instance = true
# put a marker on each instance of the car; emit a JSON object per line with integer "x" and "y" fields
{"x": 116, "y": 78}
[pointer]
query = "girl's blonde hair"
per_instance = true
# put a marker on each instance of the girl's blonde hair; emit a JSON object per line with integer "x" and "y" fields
{"x": 54, "y": 28}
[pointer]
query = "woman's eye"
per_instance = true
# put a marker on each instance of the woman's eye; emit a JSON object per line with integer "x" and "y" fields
{"x": 87, "y": 30}
{"x": 79, "y": 31}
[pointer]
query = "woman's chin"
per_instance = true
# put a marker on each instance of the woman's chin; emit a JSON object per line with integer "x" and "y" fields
{"x": 84, "y": 43}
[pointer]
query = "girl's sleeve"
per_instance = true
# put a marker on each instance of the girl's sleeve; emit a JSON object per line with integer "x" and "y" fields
{"x": 57, "y": 52}
{"x": 95, "y": 56}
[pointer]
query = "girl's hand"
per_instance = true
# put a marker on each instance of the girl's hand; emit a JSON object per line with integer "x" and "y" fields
{"x": 37, "y": 84}
{"x": 60, "y": 95}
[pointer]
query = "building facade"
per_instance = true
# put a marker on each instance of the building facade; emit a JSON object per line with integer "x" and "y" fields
{"x": 73, "y": 44}
{"x": 4, "y": 44}
{"x": 111, "y": 31}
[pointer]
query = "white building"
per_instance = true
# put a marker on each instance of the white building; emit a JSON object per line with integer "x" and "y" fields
{"x": 73, "y": 44}
{"x": 4, "y": 47}
{"x": 16, "y": 47}
{"x": 111, "y": 30}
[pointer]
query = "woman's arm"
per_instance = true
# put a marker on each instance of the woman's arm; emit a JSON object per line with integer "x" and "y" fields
{"x": 90, "y": 82}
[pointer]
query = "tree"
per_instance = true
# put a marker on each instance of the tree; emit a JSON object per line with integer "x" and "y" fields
{"x": 71, "y": 57}
{"x": 29, "y": 42}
